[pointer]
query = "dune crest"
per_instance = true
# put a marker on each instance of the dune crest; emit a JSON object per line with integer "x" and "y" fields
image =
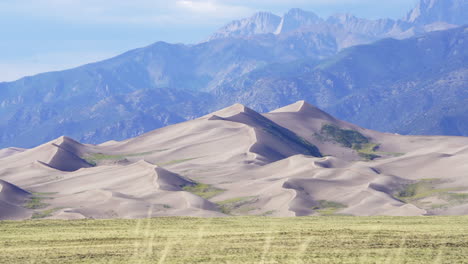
{"x": 294, "y": 161}
{"x": 302, "y": 107}
{"x": 10, "y": 151}
{"x": 232, "y": 110}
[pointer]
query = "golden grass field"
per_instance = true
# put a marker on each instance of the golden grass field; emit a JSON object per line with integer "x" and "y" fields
{"x": 333, "y": 239}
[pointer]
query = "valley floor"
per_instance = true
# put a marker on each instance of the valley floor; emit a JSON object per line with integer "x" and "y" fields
{"x": 334, "y": 239}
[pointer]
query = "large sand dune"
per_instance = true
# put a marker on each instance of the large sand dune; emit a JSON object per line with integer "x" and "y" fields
{"x": 294, "y": 161}
{"x": 12, "y": 199}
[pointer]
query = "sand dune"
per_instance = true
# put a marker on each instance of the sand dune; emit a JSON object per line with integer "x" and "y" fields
{"x": 9, "y": 152}
{"x": 243, "y": 163}
{"x": 62, "y": 154}
{"x": 12, "y": 199}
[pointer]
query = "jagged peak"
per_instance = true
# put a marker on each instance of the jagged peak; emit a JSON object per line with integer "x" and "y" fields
{"x": 255, "y": 17}
{"x": 300, "y": 12}
{"x": 258, "y": 23}
{"x": 264, "y": 15}
{"x": 430, "y": 11}
{"x": 341, "y": 17}
{"x": 297, "y": 18}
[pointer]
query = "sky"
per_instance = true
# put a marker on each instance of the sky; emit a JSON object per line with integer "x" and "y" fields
{"x": 47, "y": 35}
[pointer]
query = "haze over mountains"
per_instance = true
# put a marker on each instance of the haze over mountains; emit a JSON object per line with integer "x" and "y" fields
{"x": 348, "y": 30}
{"x": 431, "y": 11}
{"x": 294, "y": 161}
{"x": 264, "y": 62}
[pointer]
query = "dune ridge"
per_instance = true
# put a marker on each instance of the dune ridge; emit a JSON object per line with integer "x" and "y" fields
{"x": 294, "y": 161}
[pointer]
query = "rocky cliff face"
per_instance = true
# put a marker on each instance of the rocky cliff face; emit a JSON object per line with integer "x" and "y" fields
{"x": 260, "y": 23}
{"x": 431, "y": 11}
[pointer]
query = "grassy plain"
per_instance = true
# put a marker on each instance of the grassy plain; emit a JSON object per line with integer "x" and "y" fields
{"x": 333, "y": 239}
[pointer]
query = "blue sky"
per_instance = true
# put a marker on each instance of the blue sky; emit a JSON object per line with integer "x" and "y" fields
{"x": 45, "y": 35}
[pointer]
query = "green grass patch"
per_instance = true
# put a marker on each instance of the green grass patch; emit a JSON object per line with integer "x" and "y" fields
{"x": 173, "y": 162}
{"x": 36, "y": 200}
{"x": 268, "y": 213}
{"x": 391, "y": 154}
{"x": 422, "y": 189}
{"x": 345, "y": 137}
{"x": 353, "y": 139}
{"x": 366, "y": 148}
{"x": 205, "y": 191}
{"x": 368, "y": 156}
{"x": 44, "y": 213}
{"x": 95, "y": 158}
{"x": 369, "y": 151}
{"x": 237, "y": 240}
{"x": 43, "y": 193}
{"x": 350, "y": 139}
{"x": 325, "y": 207}
{"x": 234, "y": 205}
{"x": 458, "y": 197}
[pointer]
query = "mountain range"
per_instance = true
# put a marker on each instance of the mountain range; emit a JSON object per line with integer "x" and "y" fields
{"x": 294, "y": 161}
{"x": 413, "y": 83}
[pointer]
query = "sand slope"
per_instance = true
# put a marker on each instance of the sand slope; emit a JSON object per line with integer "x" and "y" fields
{"x": 238, "y": 162}
{"x": 10, "y": 151}
{"x": 12, "y": 199}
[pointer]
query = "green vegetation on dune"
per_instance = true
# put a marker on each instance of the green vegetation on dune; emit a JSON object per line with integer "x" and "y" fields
{"x": 43, "y": 193}
{"x": 367, "y": 151}
{"x": 353, "y": 139}
{"x": 173, "y": 162}
{"x": 237, "y": 205}
{"x": 332, "y": 239}
{"x": 95, "y": 158}
{"x": 328, "y": 207}
{"x": 205, "y": 191}
{"x": 36, "y": 200}
{"x": 458, "y": 197}
{"x": 346, "y": 137}
{"x": 44, "y": 213}
{"x": 426, "y": 188}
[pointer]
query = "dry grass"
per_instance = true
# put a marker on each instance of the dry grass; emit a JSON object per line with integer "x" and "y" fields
{"x": 238, "y": 240}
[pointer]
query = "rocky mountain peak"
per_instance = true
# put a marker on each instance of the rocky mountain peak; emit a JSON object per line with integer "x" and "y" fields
{"x": 431, "y": 11}
{"x": 259, "y": 23}
{"x": 297, "y": 18}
